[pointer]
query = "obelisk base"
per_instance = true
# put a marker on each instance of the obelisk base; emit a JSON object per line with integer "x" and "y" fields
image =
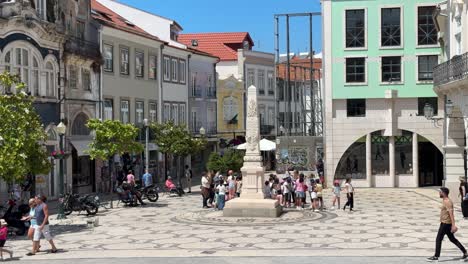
{"x": 252, "y": 208}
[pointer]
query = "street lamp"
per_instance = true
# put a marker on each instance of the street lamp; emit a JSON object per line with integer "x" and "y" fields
{"x": 428, "y": 111}
{"x": 202, "y": 131}
{"x": 146, "y": 124}
{"x": 61, "y": 130}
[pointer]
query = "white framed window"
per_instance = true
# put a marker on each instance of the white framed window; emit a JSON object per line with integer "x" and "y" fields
{"x": 355, "y": 71}
{"x": 182, "y": 114}
{"x": 261, "y": 82}
{"x": 167, "y": 68}
{"x": 108, "y": 58}
{"x": 167, "y": 112}
{"x": 174, "y": 70}
{"x": 391, "y": 69}
{"x": 211, "y": 87}
{"x": 426, "y": 64}
{"x": 139, "y": 64}
{"x": 124, "y": 61}
{"x": 391, "y": 27}
{"x": 426, "y": 29}
{"x": 175, "y": 113}
{"x": 271, "y": 116}
{"x": 271, "y": 83}
{"x": 193, "y": 84}
{"x": 250, "y": 77}
{"x": 182, "y": 71}
{"x": 139, "y": 112}
{"x": 35, "y": 77}
{"x": 152, "y": 67}
{"x": 86, "y": 79}
{"x": 125, "y": 111}
{"x": 73, "y": 77}
{"x": 50, "y": 80}
{"x": 108, "y": 109}
{"x": 153, "y": 112}
{"x": 355, "y": 28}
{"x": 194, "y": 119}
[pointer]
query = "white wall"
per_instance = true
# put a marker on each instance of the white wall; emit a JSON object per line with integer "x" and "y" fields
{"x": 151, "y": 23}
{"x": 226, "y": 69}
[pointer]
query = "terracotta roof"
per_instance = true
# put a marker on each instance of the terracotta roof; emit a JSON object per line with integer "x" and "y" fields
{"x": 300, "y": 69}
{"x": 111, "y": 19}
{"x": 222, "y": 45}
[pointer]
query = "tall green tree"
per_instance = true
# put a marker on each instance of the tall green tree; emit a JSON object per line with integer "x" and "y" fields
{"x": 175, "y": 141}
{"x": 22, "y": 133}
{"x": 230, "y": 160}
{"x": 112, "y": 137}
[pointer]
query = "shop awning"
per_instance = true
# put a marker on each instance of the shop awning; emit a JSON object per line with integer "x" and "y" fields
{"x": 81, "y": 146}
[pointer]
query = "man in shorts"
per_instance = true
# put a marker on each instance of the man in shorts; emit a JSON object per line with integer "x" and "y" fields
{"x": 42, "y": 229}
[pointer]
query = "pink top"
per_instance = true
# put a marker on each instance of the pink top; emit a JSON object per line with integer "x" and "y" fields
{"x": 130, "y": 179}
{"x": 170, "y": 185}
{"x": 300, "y": 186}
{"x": 3, "y": 232}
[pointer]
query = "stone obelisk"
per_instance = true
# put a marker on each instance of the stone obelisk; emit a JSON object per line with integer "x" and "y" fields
{"x": 251, "y": 203}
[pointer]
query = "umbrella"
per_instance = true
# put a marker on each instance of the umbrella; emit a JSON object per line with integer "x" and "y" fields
{"x": 265, "y": 145}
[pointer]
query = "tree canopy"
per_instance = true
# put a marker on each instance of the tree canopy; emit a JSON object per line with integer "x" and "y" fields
{"x": 112, "y": 137}
{"x": 176, "y": 140}
{"x": 230, "y": 160}
{"x": 21, "y": 150}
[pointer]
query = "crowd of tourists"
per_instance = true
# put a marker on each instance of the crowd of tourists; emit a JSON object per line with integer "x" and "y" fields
{"x": 290, "y": 190}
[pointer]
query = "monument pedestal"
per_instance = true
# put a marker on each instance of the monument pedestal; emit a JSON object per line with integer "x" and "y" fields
{"x": 251, "y": 203}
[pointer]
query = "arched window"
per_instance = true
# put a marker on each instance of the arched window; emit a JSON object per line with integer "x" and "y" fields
{"x": 22, "y": 62}
{"x": 79, "y": 127}
{"x": 51, "y": 135}
{"x": 50, "y": 80}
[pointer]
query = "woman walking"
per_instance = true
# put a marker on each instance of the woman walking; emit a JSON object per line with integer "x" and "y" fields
{"x": 32, "y": 219}
{"x": 336, "y": 194}
{"x": 205, "y": 189}
{"x": 349, "y": 194}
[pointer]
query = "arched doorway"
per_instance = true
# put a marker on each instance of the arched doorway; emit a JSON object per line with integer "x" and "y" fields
{"x": 406, "y": 160}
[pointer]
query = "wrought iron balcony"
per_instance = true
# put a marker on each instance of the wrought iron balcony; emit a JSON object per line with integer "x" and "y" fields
{"x": 211, "y": 94}
{"x": 210, "y": 128}
{"x": 197, "y": 92}
{"x": 82, "y": 48}
{"x": 453, "y": 70}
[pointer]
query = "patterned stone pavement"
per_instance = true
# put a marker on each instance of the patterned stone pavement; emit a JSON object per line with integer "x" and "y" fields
{"x": 387, "y": 222}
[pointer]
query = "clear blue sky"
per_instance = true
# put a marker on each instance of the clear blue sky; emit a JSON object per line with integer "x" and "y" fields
{"x": 254, "y": 16}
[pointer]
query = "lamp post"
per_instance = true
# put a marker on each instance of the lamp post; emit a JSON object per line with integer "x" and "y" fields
{"x": 202, "y": 132}
{"x": 61, "y": 129}
{"x": 146, "y": 124}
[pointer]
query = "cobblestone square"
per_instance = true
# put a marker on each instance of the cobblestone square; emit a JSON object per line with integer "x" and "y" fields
{"x": 387, "y": 222}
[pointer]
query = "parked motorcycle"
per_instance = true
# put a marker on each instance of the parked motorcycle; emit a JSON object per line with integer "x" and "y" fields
{"x": 13, "y": 217}
{"x": 149, "y": 192}
{"x": 73, "y": 202}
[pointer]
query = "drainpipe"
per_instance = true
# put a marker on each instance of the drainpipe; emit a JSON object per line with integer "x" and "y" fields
{"x": 445, "y": 140}
{"x": 160, "y": 104}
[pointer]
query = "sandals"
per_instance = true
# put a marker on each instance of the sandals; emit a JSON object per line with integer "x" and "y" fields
{"x": 30, "y": 254}
{"x": 54, "y": 251}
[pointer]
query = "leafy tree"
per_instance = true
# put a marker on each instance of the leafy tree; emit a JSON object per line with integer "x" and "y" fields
{"x": 231, "y": 160}
{"x": 176, "y": 141}
{"x": 21, "y": 150}
{"x": 112, "y": 137}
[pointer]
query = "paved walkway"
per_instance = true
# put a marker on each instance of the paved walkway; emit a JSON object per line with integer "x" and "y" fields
{"x": 387, "y": 222}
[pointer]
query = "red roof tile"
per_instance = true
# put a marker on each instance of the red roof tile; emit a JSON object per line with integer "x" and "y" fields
{"x": 222, "y": 45}
{"x": 109, "y": 18}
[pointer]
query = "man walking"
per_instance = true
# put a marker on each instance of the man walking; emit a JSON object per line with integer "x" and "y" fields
{"x": 188, "y": 177}
{"x": 447, "y": 226}
{"x": 147, "y": 179}
{"x": 41, "y": 213}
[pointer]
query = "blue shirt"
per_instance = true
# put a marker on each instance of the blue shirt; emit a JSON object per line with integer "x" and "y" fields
{"x": 147, "y": 179}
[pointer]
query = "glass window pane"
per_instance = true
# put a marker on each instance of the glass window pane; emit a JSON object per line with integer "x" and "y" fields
{"x": 390, "y": 27}
{"x": 355, "y": 28}
{"x": 427, "y": 32}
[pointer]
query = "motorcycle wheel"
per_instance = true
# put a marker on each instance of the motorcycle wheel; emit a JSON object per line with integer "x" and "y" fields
{"x": 152, "y": 195}
{"x": 92, "y": 209}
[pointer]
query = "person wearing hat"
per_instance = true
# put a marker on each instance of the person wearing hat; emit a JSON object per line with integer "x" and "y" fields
{"x": 3, "y": 238}
{"x": 336, "y": 194}
{"x": 447, "y": 226}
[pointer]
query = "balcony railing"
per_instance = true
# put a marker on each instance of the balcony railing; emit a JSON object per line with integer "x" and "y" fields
{"x": 452, "y": 70}
{"x": 83, "y": 48}
{"x": 210, "y": 128}
{"x": 211, "y": 94}
{"x": 197, "y": 92}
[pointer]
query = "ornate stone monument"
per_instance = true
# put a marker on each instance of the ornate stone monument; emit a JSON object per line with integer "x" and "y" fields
{"x": 251, "y": 202}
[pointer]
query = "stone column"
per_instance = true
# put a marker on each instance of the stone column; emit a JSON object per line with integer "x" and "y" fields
{"x": 251, "y": 202}
{"x": 391, "y": 157}
{"x": 369, "y": 160}
{"x": 415, "y": 160}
